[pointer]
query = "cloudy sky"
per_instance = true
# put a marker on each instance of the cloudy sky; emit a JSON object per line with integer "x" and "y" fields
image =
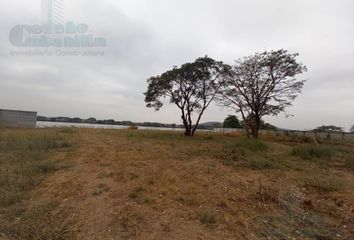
{"x": 145, "y": 38}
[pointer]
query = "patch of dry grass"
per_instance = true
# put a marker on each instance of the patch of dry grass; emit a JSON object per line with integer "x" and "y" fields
{"x": 45, "y": 221}
{"x": 25, "y": 160}
{"x": 127, "y": 223}
{"x": 312, "y": 151}
{"x": 349, "y": 161}
{"x": 162, "y": 185}
{"x": 324, "y": 183}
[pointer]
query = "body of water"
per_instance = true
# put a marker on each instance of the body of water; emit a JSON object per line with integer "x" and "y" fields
{"x": 41, "y": 124}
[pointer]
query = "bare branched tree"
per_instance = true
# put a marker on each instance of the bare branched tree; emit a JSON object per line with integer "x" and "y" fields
{"x": 262, "y": 84}
{"x": 191, "y": 87}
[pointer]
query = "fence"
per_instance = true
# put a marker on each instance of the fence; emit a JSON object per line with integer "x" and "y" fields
{"x": 348, "y": 137}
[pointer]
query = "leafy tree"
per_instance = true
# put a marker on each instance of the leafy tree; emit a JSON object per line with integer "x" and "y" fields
{"x": 330, "y": 128}
{"x": 191, "y": 87}
{"x": 263, "y": 84}
{"x": 232, "y": 122}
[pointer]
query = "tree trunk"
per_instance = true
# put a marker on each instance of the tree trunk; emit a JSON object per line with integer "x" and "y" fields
{"x": 255, "y": 127}
{"x": 254, "y": 134}
{"x": 188, "y": 132}
{"x": 197, "y": 123}
{"x": 188, "y": 129}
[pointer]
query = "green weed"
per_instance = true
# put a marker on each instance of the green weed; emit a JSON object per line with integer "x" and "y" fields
{"x": 308, "y": 152}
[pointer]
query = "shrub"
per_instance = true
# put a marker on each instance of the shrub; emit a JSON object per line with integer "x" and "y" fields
{"x": 325, "y": 184}
{"x": 349, "y": 161}
{"x": 309, "y": 152}
{"x": 264, "y": 163}
{"x": 207, "y": 218}
{"x": 253, "y": 145}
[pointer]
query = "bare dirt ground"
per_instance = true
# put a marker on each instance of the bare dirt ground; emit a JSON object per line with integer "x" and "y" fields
{"x": 159, "y": 185}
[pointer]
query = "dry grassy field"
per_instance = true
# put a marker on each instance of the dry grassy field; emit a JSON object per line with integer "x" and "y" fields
{"x": 88, "y": 184}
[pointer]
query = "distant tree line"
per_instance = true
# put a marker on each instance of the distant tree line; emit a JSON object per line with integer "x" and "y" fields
{"x": 332, "y": 129}
{"x": 121, "y": 123}
{"x": 79, "y": 120}
{"x": 255, "y": 86}
{"x": 232, "y": 122}
{"x": 329, "y": 128}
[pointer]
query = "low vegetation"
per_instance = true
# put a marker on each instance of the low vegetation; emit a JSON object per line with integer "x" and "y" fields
{"x": 26, "y": 158}
{"x": 349, "y": 161}
{"x": 128, "y": 184}
{"x": 324, "y": 183}
{"x": 309, "y": 152}
{"x": 207, "y": 218}
{"x": 24, "y": 162}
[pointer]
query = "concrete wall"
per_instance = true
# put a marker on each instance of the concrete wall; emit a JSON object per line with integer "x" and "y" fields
{"x": 12, "y": 118}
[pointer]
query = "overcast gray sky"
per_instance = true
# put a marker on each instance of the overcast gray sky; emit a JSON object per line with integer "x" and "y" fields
{"x": 145, "y": 38}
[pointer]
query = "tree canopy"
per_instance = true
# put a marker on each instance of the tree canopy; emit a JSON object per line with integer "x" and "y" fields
{"x": 262, "y": 84}
{"x": 232, "y": 122}
{"x": 191, "y": 87}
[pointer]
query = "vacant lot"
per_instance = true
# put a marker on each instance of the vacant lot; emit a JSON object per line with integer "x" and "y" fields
{"x": 60, "y": 184}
